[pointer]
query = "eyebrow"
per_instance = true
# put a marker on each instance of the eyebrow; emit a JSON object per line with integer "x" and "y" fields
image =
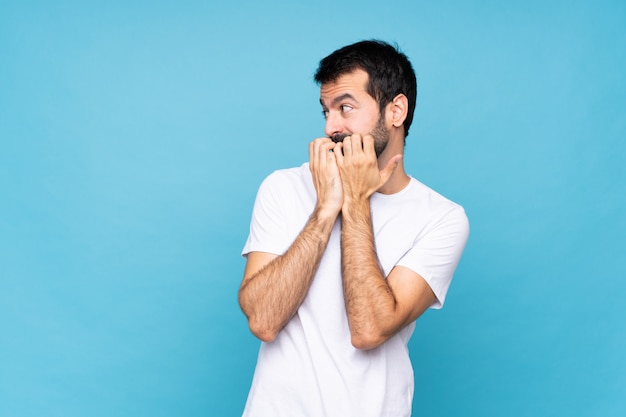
{"x": 338, "y": 99}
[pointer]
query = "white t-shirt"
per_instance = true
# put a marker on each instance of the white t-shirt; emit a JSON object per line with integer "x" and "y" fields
{"x": 311, "y": 368}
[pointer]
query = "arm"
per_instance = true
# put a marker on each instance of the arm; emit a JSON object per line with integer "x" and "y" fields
{"x": 377, "y": 307}
{"x": 274, "y": 286}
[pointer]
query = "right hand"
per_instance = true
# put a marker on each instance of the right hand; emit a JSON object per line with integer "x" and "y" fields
{"x": 323, "y": 166}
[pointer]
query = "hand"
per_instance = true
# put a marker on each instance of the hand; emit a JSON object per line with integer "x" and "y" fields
{"x": 323, "y": 166}
{"x": 358, "y": 167}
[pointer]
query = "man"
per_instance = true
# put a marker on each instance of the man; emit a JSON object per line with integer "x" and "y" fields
{"x": 347, "y": 251}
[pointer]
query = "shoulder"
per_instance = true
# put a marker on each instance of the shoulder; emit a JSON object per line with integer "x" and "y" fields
{"x": 288, "y": 185}
{"x": 287, "y": 177}
{"x": 429, "y": 211}
{"x": 419, "y": 200}
{"x": 444, "y": 213}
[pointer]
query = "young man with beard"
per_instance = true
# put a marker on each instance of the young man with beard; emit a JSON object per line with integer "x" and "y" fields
{"x": 347, "y": 251}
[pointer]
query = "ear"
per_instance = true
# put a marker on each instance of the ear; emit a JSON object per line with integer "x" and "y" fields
{"x": 397, "y": 110}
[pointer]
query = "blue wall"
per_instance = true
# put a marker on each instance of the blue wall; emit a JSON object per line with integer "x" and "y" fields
{"x": 133, "y": 137}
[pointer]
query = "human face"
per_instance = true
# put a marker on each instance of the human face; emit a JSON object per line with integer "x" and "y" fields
{"x": 348, "y": 108}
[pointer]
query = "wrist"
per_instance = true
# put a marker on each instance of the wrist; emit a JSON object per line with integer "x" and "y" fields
{"x": 326, "y": 212}
{"x": 355, "y": 204}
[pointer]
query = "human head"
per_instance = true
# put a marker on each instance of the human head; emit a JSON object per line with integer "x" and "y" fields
{"x": 390, "y": 72}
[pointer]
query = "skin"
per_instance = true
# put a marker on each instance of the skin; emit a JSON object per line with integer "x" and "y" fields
{"x": 358, "y": 166}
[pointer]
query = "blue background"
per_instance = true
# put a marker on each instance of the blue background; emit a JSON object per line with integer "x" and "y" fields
{"x": 134, "y": 135}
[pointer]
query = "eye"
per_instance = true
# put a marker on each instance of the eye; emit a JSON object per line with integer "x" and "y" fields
{"x": 345, "y": 108}
{"x": 325, "y": 114}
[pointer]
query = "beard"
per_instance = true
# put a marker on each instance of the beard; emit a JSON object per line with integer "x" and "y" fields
{"x": 379, "y": 133}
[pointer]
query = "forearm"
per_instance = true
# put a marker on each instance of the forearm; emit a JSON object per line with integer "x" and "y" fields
{"x": 370, "y": 302}
{"x": 271, "y": 296}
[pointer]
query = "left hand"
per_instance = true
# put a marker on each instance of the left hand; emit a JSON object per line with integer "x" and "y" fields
{"x": 358, "y": 167}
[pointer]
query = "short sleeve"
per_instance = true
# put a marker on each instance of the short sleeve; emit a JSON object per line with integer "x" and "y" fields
{"x": 436, "y": 255}
{"x": 268, "y": 230}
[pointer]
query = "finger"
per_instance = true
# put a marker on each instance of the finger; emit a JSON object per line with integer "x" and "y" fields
{"x": 338, "y": 153}
{"x": 314, "y": 161}
{"x": 386, "y": 172}
{"x": 321, "y": 151}
{"x": 318, "y": 143}
{"x": 368, "y": 145}
{"x": 357, "y": 144}
{"x": 311, "y": 155}
{"x": 327, "y": 154}
{"x": 346, "y": 146}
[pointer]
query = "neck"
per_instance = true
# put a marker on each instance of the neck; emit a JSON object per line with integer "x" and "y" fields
{"x": 399, "y": 179}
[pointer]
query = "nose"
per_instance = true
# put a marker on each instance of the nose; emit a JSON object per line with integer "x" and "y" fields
{"x": 334, "y": 124}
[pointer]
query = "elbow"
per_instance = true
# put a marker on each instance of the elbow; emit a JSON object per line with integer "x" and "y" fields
{"x": 264, "y": 336}
{"x": 258, "y": 327}
{"x": 369, "y": 335}
{"x": 262, "y": 332}
{"x": 369, "y": 341}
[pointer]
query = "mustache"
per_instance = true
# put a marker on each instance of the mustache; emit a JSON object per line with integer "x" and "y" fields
{"x": 339, "y": 137}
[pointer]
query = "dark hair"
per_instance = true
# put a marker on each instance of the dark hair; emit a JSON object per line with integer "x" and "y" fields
{"x": 390, "y": 72}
